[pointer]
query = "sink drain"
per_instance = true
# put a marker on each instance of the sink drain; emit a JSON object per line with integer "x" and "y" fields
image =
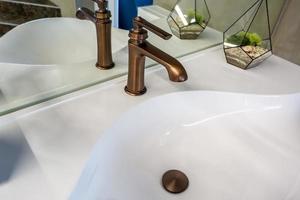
{"x": 175, "y": 181}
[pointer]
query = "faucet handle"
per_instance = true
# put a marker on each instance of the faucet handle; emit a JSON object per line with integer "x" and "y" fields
{"x": 140, "y": 23}
{"x": 102, "y": 4}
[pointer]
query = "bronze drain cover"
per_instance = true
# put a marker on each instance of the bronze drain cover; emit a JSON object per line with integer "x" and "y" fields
{"x": 175, "y": 181}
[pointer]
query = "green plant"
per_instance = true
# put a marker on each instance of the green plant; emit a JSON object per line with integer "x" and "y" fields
{"x": 238, "y": 39}
{"x": 254, "y": 38}
{"x": 242, "y": 38}
{"x": 195, "y": 15}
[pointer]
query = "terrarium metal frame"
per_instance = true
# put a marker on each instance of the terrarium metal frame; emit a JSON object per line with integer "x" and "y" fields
{"x": 180, "y": 34}
{"x": 268, "y": 52}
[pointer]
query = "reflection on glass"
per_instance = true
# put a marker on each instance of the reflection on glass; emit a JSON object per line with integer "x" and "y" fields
{"x": 247, "y": 42}
{"x": 48, "y": 58}
{"x": 14, "y": 13}
{"x": 189, "y": 18}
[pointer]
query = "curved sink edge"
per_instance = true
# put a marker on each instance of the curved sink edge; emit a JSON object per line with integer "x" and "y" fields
{"x": 257, "y": 98}
{"x": 41, "y": 66}
{"x": 118, "y": 32}
{"x": 35, "y": 21}
{"x": 107, "y": 135}
{"x": 216, "y": 92}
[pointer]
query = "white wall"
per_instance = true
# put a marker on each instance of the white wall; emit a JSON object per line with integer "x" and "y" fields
{"x": 114, "y": 7}
{"x": 67, "y": 7}
{"x": 85, "y": 3}
{"x": 286, "y": 40}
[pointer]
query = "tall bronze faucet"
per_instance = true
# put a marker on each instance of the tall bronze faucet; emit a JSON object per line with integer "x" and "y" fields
{"x": 101, "y": 18}
{"x": 139, "y": 49}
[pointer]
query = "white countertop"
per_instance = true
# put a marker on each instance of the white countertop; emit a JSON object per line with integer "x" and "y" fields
{"x": 60, "y": 134}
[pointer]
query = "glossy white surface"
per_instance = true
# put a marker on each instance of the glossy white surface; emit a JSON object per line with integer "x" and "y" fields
{"x": 153, "y": 12}
{"x": 62, "y": 132}
{"x": 52, "y": 41}
{"x": 231, "y": 146}
{"x": 21, "y": 176}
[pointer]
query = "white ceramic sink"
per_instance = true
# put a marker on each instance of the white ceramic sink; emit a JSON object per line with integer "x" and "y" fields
{"x": 55, "y": 41}
{"x": 231, "y": 147}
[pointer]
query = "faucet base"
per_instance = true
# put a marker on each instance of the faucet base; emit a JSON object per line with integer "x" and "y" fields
{"x": 105, "y": 67}
{"x": 138, "y": 93}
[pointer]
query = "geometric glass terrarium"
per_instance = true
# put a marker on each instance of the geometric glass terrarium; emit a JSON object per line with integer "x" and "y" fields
{"x": 188, "y": 18}
{"x": 247, "y": 42}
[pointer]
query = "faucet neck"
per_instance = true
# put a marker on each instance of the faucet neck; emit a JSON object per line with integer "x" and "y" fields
{"x": 138, "y": 36}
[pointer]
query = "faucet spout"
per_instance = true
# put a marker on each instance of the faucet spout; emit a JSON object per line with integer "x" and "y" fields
{"x": 139, "y": 48}
{"x": 84, "y": 13}
{"x": 174, "y": 68}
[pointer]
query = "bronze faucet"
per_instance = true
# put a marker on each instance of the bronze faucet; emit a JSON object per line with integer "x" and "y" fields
{"x": 139, "y": 48}
{"x": 101, "y": 18}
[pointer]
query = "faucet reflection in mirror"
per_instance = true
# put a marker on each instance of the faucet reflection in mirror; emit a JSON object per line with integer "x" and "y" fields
{"x": 139, "y": 49}
{"x": 102, "y": 20}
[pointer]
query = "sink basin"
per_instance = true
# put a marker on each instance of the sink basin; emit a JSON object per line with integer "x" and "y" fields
{"x": 53, "y": 41}
{"x": 230, "y": 146}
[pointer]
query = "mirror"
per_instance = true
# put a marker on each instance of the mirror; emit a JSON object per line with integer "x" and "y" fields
{"x": 55, "y": 54}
